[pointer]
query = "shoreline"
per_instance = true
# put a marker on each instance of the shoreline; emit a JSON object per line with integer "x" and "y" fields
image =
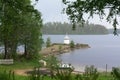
{"x": 81, "y": 68}
{"x": 54, "y": 50}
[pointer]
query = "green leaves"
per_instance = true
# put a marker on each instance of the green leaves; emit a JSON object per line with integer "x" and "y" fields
{"x": 48, "y": 42}
{"x": 115, "y": 26}
{"x": 91, "y": 73}
{"x": 76, "y": 10}
{"x": 116, "y": 73}
{"x": 20, "y": 24}
{"x": 72, "y": 44}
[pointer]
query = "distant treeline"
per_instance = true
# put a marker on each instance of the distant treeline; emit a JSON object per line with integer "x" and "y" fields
{"x": 63, "y": 28}
{"x": 112, "y": 30}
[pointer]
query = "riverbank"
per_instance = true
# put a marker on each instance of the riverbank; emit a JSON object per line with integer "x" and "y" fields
{"x": 58, "y": 48}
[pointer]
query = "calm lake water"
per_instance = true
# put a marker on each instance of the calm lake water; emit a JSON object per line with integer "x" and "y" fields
{"x": 105, "y": 49}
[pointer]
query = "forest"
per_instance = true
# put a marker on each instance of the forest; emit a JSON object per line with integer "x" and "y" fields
{"x": 63, "y": 28}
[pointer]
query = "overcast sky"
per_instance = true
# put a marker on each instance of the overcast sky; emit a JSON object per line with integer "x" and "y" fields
{"x": 51, "y": 12}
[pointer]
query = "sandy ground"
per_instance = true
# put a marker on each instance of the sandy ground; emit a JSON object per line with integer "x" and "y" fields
{"x": 80, "y": 70}
{"x": 54, "y": 49}
{"x": 23, "y": 72}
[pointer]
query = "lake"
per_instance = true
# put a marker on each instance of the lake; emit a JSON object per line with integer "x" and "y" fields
{"x": 105, "y": 49}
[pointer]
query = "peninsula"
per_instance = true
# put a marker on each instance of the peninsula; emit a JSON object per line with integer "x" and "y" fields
{"x": 58, "y": 48}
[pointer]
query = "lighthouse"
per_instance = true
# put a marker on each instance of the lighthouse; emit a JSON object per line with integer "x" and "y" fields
{"x": 66, "y": 39}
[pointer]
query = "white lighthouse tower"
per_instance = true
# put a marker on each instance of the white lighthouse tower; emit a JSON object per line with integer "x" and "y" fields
{"x": 66, "y": 39}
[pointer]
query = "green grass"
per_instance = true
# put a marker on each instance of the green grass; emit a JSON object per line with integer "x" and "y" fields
{"x": 27, "y": 64}
{"x": 102, "y": 76}
{"x": 28, "y": 78}
{"x": 105, "y": 76}
{"x": 21, "y": 77}
{"x": 20, "y": 65}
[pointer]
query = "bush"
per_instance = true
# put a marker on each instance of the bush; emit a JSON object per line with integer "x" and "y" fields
{"x": 91, "y": 73}
{"x": 36, "y": 75}
{"x": 72, "y": 44}
{"x": 64, "y": 74}
{"x": 48, "y": 42}
{"x": 115, "y": 73}
{"x": 60, "y": 48}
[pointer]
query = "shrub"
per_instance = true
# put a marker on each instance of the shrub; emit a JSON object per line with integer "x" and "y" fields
{"x": 60, "y": 48}
{"x": 91, "y": 73}
{"x": 36, "y": 75}
{"x": 48, "y": 42}
{"x": 72, "y": 44}
{"x": 115, "y": 73}
{"x": 64, "y": 74}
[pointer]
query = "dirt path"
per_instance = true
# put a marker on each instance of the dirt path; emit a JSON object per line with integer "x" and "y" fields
{"x": 23, "y": 72}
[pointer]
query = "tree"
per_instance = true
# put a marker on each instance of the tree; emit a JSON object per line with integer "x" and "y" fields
{"x": 9, "y": 19}
{"x": 31, "y": 36}
{"x": 61, "y": 28}
{"x": 48, "y": 42}
{"x": 52, "y": 63}
{"x": 16, "y": 26}
{"x": 76, "y": 9}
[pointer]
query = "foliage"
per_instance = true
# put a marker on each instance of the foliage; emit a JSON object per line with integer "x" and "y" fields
{"x": 21, "y": 63}
{"x": 32, "y": 37}
{"x": 52, "y": 63}
{"x": 36, "y": 75}
{"x": 60, "y": 48}
{"x": 60, "y": 74}
{"x": 63, "y": 74}
{"x": 91, "y": 73}
{"x": 111, "y": 31}
{"x": 62, "y": 28}
{"x": 20, "y": 24}
{"x": 76, "y": 10}
{"x": 48, "y": 42}
{"x": 115, "y": 73}
{"x": 72, "y": 44}
{"x": 7, "y": 76}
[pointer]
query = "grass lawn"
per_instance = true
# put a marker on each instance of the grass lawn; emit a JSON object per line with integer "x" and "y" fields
{"x": 29, "y": 64}
{"x": 26, "y": 64}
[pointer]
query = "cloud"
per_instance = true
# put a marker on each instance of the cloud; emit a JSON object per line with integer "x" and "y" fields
{"x": 51, "y": 10}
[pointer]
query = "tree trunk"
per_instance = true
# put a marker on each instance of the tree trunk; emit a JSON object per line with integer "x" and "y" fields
{"x": 25, "y": 50}
{"x": 6, "y": 49}
{"x": 13, "y": 50}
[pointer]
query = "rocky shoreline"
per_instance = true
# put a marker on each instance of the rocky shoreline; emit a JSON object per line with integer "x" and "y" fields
{"x": 58, "y": 48}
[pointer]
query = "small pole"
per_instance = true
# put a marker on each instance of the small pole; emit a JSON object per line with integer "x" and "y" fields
{"x": 106, "y": 69}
